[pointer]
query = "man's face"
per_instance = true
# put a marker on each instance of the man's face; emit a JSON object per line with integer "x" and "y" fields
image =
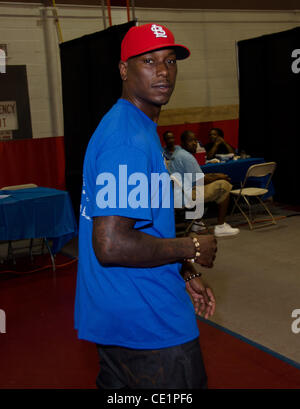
{"x": 150, "y": 78}
{"x": 169, "y": 140}
{"x": 190, "y": 143}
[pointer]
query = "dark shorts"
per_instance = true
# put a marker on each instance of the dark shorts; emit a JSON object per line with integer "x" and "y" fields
{"x": 178, "y": 367}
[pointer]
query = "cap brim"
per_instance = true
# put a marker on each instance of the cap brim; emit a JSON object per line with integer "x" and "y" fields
{"x": 181, "y": 51}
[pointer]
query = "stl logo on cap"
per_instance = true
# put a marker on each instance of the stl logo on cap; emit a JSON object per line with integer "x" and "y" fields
{"x": 150, "y": 37}
{"x": 158, "y": 31}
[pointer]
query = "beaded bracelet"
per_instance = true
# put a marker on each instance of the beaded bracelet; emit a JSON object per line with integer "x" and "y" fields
{"x": 196, "y": 244}
{"x": 189, "y": 278}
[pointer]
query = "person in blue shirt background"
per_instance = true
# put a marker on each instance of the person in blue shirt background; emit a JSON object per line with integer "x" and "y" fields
{"x": 133, "y": 273}
{"x": 217, "y": 186}
{"x": 170, "y": 147}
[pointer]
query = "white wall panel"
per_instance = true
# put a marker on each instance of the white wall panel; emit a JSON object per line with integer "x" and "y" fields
{"x": 207, "y": 79}
{"x": 21, "y": 30}
{"x": 211, "y": 37}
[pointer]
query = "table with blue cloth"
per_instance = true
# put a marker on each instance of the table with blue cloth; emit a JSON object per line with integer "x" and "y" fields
{"x": 236, "y": 170}
{"x": 36, "y": 213}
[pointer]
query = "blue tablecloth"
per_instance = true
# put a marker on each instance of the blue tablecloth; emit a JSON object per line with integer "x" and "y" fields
{"x": 37, "y": 212}
{"x": 236, "y": 170}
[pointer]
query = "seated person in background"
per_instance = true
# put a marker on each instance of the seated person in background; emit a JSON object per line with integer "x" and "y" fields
{"x": 170, "y": 148}
{"x": 216, "y": 185}
{"x": 218, "y": 145}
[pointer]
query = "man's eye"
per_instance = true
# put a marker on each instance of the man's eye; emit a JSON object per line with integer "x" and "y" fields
{"x": 172, "y": 61}
{"x": 148, "y": 60}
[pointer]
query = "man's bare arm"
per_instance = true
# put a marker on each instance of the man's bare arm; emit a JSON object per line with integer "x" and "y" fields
{"x": 116, "y": 242}
{"x": 219, "y": 141}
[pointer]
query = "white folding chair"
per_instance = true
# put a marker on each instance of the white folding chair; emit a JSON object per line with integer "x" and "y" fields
{"x": 260, "y": 170}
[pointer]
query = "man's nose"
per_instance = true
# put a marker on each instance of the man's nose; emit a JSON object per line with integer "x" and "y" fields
{"x": 161, "y": 68}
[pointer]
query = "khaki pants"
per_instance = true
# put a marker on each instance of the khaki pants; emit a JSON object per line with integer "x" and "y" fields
{"x": 216, "y": 191}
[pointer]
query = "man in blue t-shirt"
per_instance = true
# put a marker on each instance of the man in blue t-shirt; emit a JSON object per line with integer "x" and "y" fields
{"x": 131, "y": 297}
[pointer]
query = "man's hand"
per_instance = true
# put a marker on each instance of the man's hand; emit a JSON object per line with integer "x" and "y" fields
{"x": 202, "y": 297}
{"x": 207, "y": 249}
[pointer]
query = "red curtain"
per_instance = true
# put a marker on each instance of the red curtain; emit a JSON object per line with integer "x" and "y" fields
{"x": 39, "y": 161}
{"x": 201, "y": 129}
{"x": 42, "y": 161}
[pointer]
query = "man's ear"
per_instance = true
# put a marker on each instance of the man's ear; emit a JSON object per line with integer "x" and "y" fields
{"x": 123, "y": 66}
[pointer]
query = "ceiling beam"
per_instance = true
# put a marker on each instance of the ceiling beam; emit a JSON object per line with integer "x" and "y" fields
{"x": 183, "y": 4}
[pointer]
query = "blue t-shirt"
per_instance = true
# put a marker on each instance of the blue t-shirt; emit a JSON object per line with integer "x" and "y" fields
{"x": 141, "y": 308}
{"x": 184, "y": 163}
{"x": 168, "y": 154}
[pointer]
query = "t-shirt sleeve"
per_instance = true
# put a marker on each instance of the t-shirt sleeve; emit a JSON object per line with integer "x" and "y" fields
{"x": 192, "y": 170}
{"x": 122, "y": 184}
{"x": 191, "y": 165}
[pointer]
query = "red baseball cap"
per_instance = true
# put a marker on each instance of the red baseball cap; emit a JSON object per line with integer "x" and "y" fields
{"x": 150, "y": 37}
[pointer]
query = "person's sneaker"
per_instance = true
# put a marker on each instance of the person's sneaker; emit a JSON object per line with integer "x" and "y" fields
{"x": 197, "y": 226}
{"x": 225, "y": 229}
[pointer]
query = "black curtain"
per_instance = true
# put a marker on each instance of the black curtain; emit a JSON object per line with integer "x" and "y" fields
{"x": 269, "y": 87}
{"x": 91, "y": 84}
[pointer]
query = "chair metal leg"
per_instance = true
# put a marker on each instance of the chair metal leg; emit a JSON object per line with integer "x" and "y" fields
{"x": 30, "y": 249}
{"x": 267, "y": 210}
{"x": 43, "y": 246}
{"x": 10, "y": 252}
{"x": 249, "y": 207}
{"x": 245, "y": 215}
{"x": 189, "y": 227}
{"x": 249, "y": 217}
{"x": 51, "y": 254}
